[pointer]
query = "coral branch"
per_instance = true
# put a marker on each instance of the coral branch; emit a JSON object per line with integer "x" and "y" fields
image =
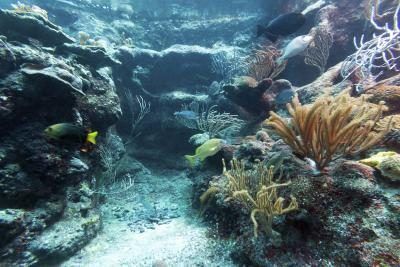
{"x": 330, "y": 127}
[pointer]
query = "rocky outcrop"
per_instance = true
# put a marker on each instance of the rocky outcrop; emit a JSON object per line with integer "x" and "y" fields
{"x": 191, "y": 67}
{"x": 79, "y": 223}
{"x": 45, "y": 184}
{"x": 328, "y": 82}
{"x": 22, "y": 26}
{"x": 94, "y": 56}
{"x": 53, "y": 76}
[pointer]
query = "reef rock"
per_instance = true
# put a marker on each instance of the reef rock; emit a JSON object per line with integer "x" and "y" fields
{"x": 322, "y": 85}
{"x": 55, "y": 77}
{"x": 388, "y": 93}
{"x": 340, "y": 18}
{"x": 40, "y": 178}
{"x": 21, "y": 26}
{"x": 258, "y": 98}
{"x": 94, "y": 56}
{"x": 78, "y": 225}
{"x": 250, "y": 94}
{"x": 192, "y": 69}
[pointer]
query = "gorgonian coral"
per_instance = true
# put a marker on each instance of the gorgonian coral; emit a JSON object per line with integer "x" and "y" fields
{"x": 331, "y": 127}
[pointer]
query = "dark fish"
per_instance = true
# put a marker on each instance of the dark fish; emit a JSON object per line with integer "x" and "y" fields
{"x": 70, "y": 133}
{"x": 282, "y": 25}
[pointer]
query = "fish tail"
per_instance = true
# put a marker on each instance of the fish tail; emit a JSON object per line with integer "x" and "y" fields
{"x": 191, "y": 160}
{"x": 280, "y": 60}
{"x": 91, "y": 137}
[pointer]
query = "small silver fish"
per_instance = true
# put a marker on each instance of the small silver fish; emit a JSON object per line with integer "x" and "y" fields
{"x": 295, "y": 47}
{"x": 186, "y": 114}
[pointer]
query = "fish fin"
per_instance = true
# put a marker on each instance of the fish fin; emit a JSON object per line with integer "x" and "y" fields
{"x": 280, "y": 61}
{"x": 91, "y": 137}
{"x": 260, "y": 30}
{"x": 191, "y": 160}
{"x": 271, "y": 37}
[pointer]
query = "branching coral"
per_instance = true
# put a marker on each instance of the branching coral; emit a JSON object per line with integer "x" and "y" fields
{"x": 137, "y": 110}
{"x": 228, "y": 64}
{"x": 377, "y": 55}
{"x": 330, "y": 127}
{"x": 208, "y": 119}
{"x": 256, "y": 190}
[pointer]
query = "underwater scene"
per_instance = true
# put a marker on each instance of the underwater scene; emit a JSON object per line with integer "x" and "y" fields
{"x": 208, "y": 133}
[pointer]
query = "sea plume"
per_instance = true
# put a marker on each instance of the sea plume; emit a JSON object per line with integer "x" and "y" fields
{"x": 331, "y": 127}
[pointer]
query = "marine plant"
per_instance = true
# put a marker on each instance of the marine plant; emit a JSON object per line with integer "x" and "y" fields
{"x": 228, "y": 64}
{"x": 258, "y": 192}
{"x": 331, "y": 127}
{"x": 208, "y": 120}
{"x": 107, "y": 182}
{"x": 137, "y": 109}
{"x": 372, "y": 58}
{"x": 317, "y": 53}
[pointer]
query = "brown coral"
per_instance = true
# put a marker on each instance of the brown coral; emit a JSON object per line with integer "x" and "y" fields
{"x": 331, "y": 127}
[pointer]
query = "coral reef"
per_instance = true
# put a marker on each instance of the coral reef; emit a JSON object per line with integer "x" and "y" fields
{"x": 263, "y": 65}
{"x": 149, "y": 77}
{"x": 40, "y": 179}
{"x": 337, "y": 211}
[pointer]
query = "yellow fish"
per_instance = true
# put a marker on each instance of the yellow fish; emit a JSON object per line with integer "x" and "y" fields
{"x": 376, "y": 159}
{"x": 70, "y": 133}
{"x": 387, "y": 162}
{"x": 209, "y": 148}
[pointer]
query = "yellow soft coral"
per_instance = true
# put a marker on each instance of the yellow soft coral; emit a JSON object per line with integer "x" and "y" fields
{"x": 256, "y": 190}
